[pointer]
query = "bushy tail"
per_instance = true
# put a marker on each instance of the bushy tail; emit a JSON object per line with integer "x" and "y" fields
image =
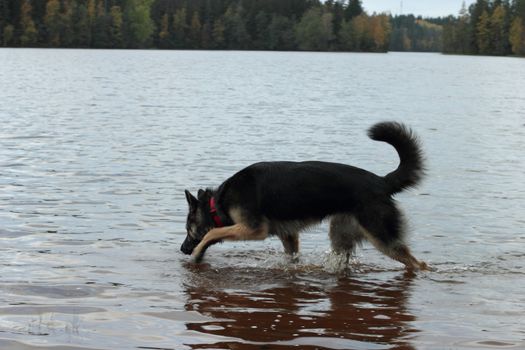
{"x": 411, "y": 168}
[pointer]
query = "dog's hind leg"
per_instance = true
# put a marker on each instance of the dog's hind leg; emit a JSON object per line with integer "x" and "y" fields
{"x": 237, "y": 232}
{"x": 383, "y": 227}
{"x": 345, "y": 233}
{"x": 290, "y": 243}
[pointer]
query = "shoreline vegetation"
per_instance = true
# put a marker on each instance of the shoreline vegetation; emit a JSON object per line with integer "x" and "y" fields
{"x": 487, "y": 27}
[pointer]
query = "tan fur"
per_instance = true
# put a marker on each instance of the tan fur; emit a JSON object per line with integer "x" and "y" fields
{"x": 236, "y": 215}
{"x": 397, "y": 251}
{"x": 237, "y": 232}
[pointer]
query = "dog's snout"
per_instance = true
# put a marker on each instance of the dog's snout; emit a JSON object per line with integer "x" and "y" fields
{"x": 185, "y": 249}
{"x": 187, "y": 246}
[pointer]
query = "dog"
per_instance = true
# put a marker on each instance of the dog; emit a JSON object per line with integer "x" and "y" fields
{"x": 283, "y": 198}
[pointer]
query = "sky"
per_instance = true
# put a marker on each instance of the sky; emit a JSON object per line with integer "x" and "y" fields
{"x": 425, "y": 8}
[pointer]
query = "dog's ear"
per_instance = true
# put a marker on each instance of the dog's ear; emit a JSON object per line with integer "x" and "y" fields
{"x": 201, "y": 194}
{"x": 192, "y": 201}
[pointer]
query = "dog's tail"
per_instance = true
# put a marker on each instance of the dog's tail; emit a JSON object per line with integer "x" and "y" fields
{"x": 411, "y": 168}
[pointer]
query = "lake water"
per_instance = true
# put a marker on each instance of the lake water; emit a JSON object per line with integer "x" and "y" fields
{"x": 97, "y": 147}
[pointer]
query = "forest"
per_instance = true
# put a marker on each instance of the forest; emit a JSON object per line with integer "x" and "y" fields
{"x": 487, "y": 27}
{"x": 193, "y": 24}
{"x": 494, "y": 27}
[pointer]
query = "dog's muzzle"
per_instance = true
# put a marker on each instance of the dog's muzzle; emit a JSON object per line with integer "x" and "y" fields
{"x": 188, "y": 245}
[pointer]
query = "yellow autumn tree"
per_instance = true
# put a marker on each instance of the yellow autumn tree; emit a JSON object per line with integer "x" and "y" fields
{"x": 517, "y": 37}
{"x": 379, "y": 29}
{"x": 52, "y": 22}
{"x": 29, "y": 33}
{"x": 498, "y": 36}
{"x": 164, "y": 27}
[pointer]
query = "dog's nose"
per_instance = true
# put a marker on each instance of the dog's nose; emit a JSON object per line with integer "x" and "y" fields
{"x": 185, "y": 249}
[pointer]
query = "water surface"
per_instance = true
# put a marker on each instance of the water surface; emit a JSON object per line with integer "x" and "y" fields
{"x": 96, "y": 148}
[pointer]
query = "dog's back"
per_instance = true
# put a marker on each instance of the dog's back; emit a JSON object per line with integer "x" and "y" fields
{"x": 301, "y": 190}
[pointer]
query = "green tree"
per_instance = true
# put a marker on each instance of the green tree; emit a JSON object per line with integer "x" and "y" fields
{"x": 353, "y": 9}
{"x": 260, "y": 38}
{"x": 101, "y": 26}
{"x": 314, "y": 30}
{"x": 29, "y": 32}
{"x": 80, "y": 26}
{"x": 115, "y": 30}
{"x": 354, "y": 35}
{"x": 180, "y": 28}
{"x": 235, "y": 33}
{"x": 139, "y": 25}
{"x": 5, "y": 17}
{"x": 281, "y": 33}
{"x": 518, "y": 7}
{"x": 476, "y": 11}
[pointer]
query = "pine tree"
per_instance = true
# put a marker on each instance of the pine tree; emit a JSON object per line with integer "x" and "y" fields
{"x": 5, "y": 17}
{"x": 235, "y": 33}
{"x": 476, "y": 11}
{"x": 80, "y": 26}
{"x": 195, "y": 31}
{"x": 498, "y": 33}
{"x": 218, "y": 34}
{"x": 483, "y": 34}
{"x": 353, "y": 9}
{"x": 65, "y": 24}
{"x": 115, "y": 29}
{"x": 180, "y": 28}
{"x": 281, "y": 34}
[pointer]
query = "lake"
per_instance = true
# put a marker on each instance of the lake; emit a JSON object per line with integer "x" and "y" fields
{"x": 97, "y": 147}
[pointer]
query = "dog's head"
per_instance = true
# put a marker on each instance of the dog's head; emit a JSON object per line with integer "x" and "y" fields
{"x": 199, "y": 221}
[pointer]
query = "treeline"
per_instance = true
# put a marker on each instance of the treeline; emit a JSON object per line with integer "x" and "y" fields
{"x": 487, "y": 27}
{"x": 410, "y": 33}
{"x": 193, "y": 24}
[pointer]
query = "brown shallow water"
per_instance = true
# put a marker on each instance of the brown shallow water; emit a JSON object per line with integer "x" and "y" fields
{"x": 96, "y": 148}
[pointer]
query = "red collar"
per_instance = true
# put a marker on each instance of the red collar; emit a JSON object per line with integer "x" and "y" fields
{"x": 213, "y": 211}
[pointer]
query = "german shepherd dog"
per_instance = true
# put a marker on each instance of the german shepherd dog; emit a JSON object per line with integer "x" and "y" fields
{"x": 284, "y": 198}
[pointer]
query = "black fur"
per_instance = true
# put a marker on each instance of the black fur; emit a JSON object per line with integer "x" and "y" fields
{"x": 296, "y": 194}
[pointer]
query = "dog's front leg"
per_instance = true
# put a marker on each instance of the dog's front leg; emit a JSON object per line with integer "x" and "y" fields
{"x": 237, "y": 232}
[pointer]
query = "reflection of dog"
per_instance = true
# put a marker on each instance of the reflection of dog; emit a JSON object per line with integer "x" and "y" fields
{"x": 283, "y": 198}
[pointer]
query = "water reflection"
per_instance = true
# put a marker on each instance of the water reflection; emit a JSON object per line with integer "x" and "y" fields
{"x": 286, "y": 309}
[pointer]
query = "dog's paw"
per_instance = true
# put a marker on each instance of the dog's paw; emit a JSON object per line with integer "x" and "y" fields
{"x": 423, "y": 266}
{"x": 197, "y": 259}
